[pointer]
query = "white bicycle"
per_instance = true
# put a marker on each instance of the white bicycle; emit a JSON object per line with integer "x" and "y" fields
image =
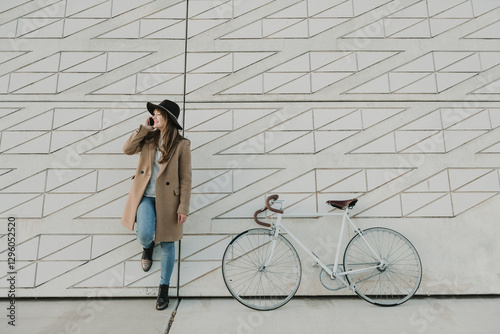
{"x": 262, "y": 269}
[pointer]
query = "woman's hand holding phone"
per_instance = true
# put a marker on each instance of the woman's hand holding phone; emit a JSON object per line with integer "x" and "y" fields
{"x": 149, "y": 123}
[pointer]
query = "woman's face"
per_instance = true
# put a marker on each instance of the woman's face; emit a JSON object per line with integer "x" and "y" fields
{"x": 160, "y": 122}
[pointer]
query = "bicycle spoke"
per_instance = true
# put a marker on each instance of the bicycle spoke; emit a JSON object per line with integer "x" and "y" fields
{"x": 253, "y": 284}
{"x": 395, "y": 279}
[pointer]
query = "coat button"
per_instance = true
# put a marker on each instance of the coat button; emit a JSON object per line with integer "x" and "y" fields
{"x": 168, "y": 183}
{"x": 142, "y": 172}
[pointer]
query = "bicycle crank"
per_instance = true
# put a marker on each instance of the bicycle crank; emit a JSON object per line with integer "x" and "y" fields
{"x": 331, "y": 283}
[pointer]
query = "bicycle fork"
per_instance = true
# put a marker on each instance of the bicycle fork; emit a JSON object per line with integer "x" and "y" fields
{"x": 273, "y": 246}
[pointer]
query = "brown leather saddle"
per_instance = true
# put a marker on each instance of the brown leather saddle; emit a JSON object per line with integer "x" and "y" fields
{"x": 343, "y": 204}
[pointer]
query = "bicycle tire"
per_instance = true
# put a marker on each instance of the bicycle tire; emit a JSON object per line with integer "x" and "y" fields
{"x": 397, "y": 280}
{"x": 257, "y": 287}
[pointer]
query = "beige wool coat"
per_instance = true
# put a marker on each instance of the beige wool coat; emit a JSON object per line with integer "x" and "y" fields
{"x": 173, "y": 186}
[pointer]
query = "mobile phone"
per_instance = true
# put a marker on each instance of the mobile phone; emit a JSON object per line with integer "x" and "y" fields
{"x": 151, "y": 121}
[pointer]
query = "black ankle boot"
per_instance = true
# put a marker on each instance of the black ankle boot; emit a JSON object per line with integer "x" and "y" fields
{"x": 147, "y": 257}
{"x": 162, "y": 301}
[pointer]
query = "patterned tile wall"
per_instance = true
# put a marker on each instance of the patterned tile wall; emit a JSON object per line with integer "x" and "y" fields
{"x": 390, "y": 101}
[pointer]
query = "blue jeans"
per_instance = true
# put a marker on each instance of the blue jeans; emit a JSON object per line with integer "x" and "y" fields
{"x": 145, "y": 231}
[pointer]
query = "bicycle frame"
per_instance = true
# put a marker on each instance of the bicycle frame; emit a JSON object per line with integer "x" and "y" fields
{"x": 333, "y": 273}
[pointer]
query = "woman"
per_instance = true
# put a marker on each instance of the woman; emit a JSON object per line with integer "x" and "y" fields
{"x": 159, "y": 198}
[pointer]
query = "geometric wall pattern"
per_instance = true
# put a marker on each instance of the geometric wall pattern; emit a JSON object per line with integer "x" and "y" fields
{"x": 63, "y": 70}
{"x": 169, "y": 75}
{"x": 52, "y": 190}
{"x": 310, "y": 191}
{"x": 303, "y": 19}
{"x": 55, "y": 129}
{"x": 312, "y": 131}
{"x": 48, "y": 256}
{"x": 392, "y": 102}
{"x": 309, "y": 72}
{"x": 431, "y": 73}
{"x": 439, "y": 131}
{"x": 425, "y": 19}
{"x": 446, "y": 194}
{"x": 63, "y": 18}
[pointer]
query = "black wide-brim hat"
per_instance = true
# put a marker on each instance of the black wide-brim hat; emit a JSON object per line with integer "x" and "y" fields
{"x": 170, "y": 107}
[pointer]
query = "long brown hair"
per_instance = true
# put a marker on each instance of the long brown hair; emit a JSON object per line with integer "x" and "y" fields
{"x": 171, "y": 138}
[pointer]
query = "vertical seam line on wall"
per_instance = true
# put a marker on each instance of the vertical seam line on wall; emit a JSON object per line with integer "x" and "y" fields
{"x": 183, "y": 131}
{"x": 185, "y": 69}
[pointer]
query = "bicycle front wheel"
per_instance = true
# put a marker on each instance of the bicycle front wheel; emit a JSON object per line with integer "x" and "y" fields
{"x": 250, "y": 280}
{"x": 391, "y": 281}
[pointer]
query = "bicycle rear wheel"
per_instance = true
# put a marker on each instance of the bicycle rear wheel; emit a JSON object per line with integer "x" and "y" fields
{"x": 396, "y": 278}
{"x": 253, "y": 284}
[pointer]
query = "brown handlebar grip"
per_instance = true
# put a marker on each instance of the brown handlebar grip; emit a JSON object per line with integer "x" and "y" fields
{"x": 257, "y": 219}
{"x": 268, "y": 206}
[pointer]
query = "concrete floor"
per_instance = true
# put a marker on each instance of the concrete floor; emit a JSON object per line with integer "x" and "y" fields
{"x": 225, "y": 315}
{"x": 341, "y": 315}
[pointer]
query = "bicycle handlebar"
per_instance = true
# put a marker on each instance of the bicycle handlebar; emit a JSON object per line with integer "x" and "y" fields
{"x": 257, "y": 219}
{"x": 268, "y": 207}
